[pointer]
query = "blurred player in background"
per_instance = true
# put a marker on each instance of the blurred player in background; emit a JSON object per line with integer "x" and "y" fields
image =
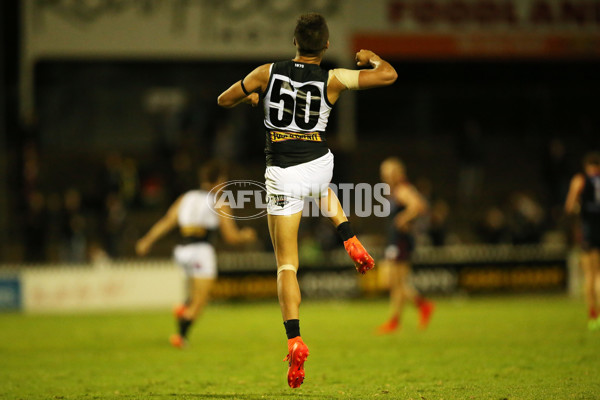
{"x": 194, "y": 212}
{"x": 584, "y": 198}
{"x": 407, "y": 204}
{"x": 297, "y": 97}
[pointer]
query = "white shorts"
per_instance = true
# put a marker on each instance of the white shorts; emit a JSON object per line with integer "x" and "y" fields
{"x": 288, "y": 187}
{"x": 198, "y": 260}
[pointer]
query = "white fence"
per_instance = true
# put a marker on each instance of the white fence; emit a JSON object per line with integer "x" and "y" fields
{"x": 160, "y": 284}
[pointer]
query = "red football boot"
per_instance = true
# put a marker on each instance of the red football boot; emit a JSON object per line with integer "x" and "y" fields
{"x": 177, "y": 341}
{"x": 362, "y": 260}
{"x": 297, "y": 355}
{"x": 426, "y": 309}
{"x": 179, "y": 310}
{"x": 390, "y": 326}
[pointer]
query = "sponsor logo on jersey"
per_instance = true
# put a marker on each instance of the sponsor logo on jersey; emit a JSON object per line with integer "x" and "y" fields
{"x": 277, "y": 136}
{"x": 280, "y": 200}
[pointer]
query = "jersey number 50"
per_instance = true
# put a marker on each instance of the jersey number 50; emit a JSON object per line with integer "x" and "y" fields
{"x": 295, "y": 106}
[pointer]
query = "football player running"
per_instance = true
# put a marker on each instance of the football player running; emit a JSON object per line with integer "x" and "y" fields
{"x": 297, "y": 96}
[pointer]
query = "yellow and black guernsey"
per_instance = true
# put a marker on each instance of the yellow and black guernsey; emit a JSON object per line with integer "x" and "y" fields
{"x": 296, "y": 113}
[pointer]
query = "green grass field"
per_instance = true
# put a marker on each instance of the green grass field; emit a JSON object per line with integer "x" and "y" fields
{"x": 491, "y": 348}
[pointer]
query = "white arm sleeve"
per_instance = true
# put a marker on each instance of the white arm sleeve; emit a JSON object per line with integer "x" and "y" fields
{"x": 348, "y": 77}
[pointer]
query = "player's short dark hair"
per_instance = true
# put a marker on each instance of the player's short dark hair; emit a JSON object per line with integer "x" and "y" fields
{"x": 592, "y": 158}
{"x": 212, "y": 171}
{"x": 311, "y": 34}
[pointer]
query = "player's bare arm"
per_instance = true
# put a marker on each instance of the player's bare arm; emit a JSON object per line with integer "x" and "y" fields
{"x": 575, "y": 189}
{"x": 159, "y": 229}
{"x": 381, "y": 74}
{"x": 415, "y": 205}
{"x": 231, "y": 233}
{"x": 247, "y": 89}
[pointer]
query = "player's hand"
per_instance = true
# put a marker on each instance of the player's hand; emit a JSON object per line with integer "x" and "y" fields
{"x": 142, "y": 247}
{"x": 252, "y": 99}
{"x": 364, "y": 57}
{"x": 247, "y": 234}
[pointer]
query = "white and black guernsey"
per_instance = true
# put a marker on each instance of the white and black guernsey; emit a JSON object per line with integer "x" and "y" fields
{"x": 197, "y": 219}
{"x": 296, "y": 113}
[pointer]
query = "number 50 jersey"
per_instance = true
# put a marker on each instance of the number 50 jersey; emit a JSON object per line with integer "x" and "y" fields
{"x": 296, "y": 113}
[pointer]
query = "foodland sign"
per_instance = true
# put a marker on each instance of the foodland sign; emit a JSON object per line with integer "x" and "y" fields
{"x": 577, "y": 15}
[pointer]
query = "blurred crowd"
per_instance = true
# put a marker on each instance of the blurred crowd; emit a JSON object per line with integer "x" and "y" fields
{"x": 80, "y": 228}
{"x": 59, "y": 219}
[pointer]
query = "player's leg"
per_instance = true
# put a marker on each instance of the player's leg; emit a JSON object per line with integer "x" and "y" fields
{"x": 180, "y": 308}
{"x": 199, "y": 263}
{"x": 592, "y": 289}
{"x": 405, "y": 289}
{"x": 199, "y": 293}
{"x": 284, "y": 235}
{"x": 408, "y": 291}
{"x": 407, "y": 245}
{"x": 589, "y": 275}
{"x": 397, "y": 299}
{"x": 396, "y": 295}
{"x": 595, "y": 261}
{"x": 330, "y": 206}
{"x": 425, "y": 306}
{"x": 184, "y": 257}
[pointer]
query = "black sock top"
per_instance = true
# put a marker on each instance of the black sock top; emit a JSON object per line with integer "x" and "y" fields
{"x": 345, "y": 230}
{"x": 184, "y": 326}
{"x": 292, "y": 328}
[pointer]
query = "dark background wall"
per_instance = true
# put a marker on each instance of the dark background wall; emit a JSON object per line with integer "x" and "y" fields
{"x": 475, "y": 135}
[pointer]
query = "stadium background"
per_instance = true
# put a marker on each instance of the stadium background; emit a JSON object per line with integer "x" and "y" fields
{"x": 109, "y": 108}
